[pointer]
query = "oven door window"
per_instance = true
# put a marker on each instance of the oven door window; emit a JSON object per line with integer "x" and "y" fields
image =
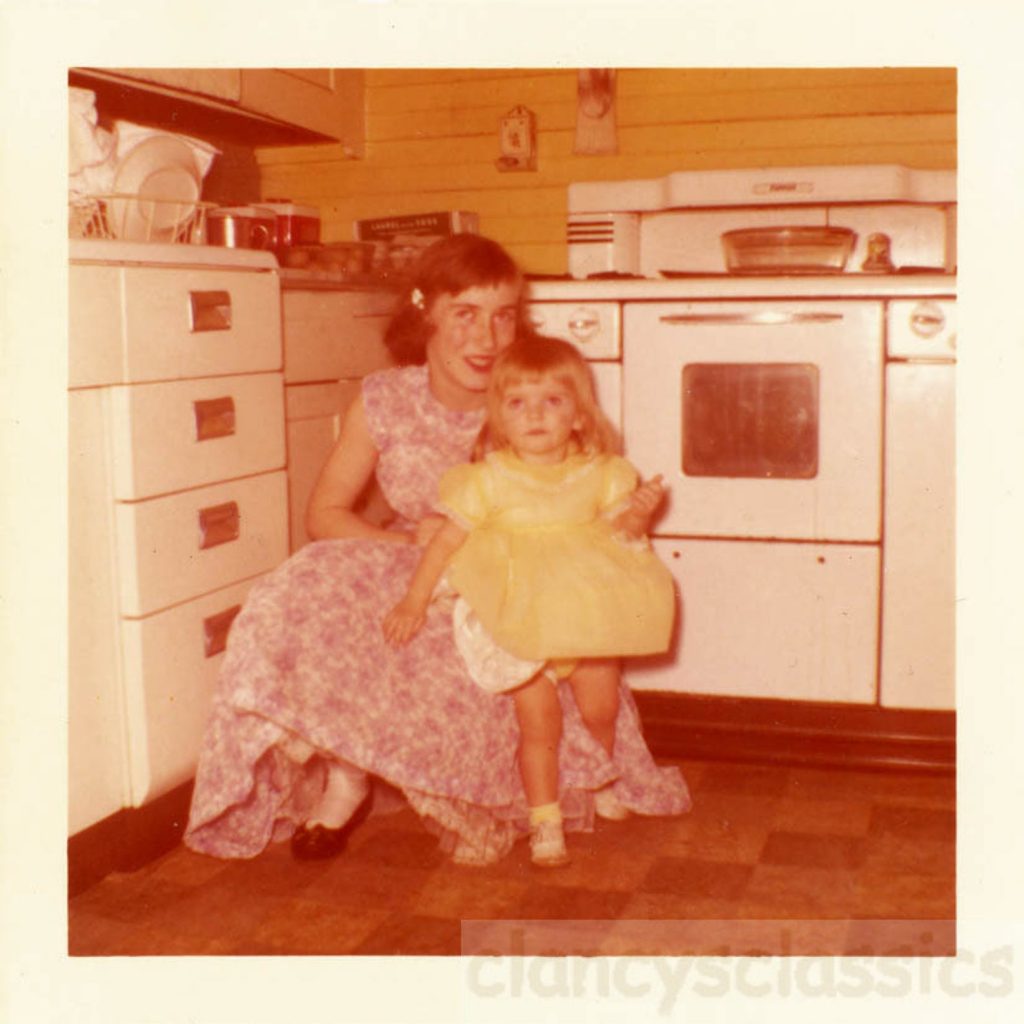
{"x": 750, "y": 420}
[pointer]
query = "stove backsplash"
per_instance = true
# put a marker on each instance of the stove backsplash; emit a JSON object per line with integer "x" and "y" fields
{"x": 646, "y": 230}
{"x": 921, "y": 237}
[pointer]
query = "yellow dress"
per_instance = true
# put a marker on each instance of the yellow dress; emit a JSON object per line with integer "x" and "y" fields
{"x": 541, "y": 567}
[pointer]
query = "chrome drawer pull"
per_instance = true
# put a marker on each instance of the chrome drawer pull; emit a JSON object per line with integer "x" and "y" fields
{"x": 215, "y": 417}
{"x": 219, "y": 524}
{"x": 209, "y": 311}
{"x": 760, "y": 318}
{"x": 215, "y": 630}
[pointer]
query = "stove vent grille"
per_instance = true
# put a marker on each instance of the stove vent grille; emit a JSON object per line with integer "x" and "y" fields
{"x": 600, "y": 243}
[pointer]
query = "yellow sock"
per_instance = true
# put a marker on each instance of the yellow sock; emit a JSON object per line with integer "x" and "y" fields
{"x": 545, "y": 812}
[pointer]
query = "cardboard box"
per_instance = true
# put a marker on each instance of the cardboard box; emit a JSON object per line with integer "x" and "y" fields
{"x": 445, "y": 222}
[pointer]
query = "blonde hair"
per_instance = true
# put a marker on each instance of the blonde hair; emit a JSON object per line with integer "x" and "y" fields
{"x": 538, "y": 356}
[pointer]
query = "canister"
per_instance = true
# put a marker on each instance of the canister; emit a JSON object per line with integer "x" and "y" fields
{"x": 296, "y": 225}
{"x": 241, "y": 227}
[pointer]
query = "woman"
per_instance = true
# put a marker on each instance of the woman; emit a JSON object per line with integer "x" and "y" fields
{"x": 312, "y": 697}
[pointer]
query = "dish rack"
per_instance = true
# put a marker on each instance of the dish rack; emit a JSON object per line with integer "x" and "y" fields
{"x": 136, "y": 218}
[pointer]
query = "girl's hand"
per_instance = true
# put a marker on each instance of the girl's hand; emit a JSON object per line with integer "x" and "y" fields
{"x": 643, "y": 503}
{"x": 427, "y": 527}
{"x": 404, "y": 621}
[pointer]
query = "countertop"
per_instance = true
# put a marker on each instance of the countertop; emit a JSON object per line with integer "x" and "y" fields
{"x": 102, "y": 250}
{"x": 706, "y": 287}
{"x": 114, "y": 251}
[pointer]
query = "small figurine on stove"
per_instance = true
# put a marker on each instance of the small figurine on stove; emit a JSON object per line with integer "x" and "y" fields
{"x": 879, "y": 255}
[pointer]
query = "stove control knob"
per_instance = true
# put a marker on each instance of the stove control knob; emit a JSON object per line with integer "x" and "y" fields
{"x": 535, "y": 318}
{"x": 584, "y": 324}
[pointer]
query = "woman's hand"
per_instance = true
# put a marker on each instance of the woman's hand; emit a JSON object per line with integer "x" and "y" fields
{"x": 635, "y": 520}
{"x": 404, "y": 621}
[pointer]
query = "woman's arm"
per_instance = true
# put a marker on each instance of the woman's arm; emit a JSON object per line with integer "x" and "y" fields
{"x": 347, "y": 471}
{"x": 405, "y": 619}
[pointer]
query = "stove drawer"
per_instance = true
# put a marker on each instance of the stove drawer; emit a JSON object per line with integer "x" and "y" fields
{"x": 922, "y": 329}
{"x": 167, "y": 323}
{"x": 170, "y": 663}
{"x": 173, "y": 548}
{"x": 204, "y": 430}
{"x": 787, "y": 621}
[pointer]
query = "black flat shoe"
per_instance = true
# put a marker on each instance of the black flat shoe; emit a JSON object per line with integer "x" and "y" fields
{"x": 318, "y": 842}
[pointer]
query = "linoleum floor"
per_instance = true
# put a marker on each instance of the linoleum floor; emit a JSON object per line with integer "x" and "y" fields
{"x": 770, "y": 860}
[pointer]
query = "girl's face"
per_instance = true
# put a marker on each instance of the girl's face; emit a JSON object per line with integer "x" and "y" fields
{"x": 539, "y": 416}
{"x": 470, "y": 329}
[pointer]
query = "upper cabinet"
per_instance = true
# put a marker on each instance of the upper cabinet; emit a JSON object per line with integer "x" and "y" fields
{"x": 218, "y": 83}
{"x": 252, "y": 106}
{"x": 324, "y": 100}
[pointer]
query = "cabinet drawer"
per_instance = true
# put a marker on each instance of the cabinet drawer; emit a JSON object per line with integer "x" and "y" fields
{"x": 165, "y": 323}
{"x": 329, "y": 335}
{"x": 94, "y": 326}
{"x": 182, "y": 545}
{"x": 193, "y": 323}
{"x": 170, "y": 662}
{"x": 312, "y": 401}
{"x": 178, "y": 434}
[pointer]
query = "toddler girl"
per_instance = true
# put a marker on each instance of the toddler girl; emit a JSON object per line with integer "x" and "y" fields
{"x": 542, "y": 544}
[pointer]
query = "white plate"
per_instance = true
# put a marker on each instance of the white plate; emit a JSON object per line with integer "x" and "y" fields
{"x": 157, "y": 185}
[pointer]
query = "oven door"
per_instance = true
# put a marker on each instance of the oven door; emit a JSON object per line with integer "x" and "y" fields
{"x": 765, "y": 418}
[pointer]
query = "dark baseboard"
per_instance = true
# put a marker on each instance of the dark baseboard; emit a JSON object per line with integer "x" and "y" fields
{"x": 128, "y": 839}
{"x": 677, "y": 727}
{"x": 802, "y": 733}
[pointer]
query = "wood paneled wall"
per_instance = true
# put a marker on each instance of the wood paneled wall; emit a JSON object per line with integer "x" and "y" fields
{"x": 432, "y": 139}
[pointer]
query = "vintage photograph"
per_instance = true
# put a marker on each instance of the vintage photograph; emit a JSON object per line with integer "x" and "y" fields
{"x": 509, "y": 511}
{"x": 354, "y": 667}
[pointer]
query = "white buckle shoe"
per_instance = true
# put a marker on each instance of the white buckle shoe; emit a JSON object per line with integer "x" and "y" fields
{"x": 547, "y": 845}
{"x": 608, "y": 806}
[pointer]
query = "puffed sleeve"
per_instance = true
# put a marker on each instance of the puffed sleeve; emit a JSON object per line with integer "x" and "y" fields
{"x": 463, "y": 495}
{"x": 620, "y": 481}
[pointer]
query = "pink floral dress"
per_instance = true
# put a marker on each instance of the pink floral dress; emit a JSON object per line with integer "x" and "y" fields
{"x": 307, "y": 667}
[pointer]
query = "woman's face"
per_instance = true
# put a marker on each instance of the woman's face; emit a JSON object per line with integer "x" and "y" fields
{"x": 470, "y": 329}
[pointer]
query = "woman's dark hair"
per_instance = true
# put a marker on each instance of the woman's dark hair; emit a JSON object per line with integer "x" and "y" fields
{"x": 447, "y": 267}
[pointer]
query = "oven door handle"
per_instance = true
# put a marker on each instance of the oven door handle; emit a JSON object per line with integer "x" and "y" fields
{"x": 756, "y": 318}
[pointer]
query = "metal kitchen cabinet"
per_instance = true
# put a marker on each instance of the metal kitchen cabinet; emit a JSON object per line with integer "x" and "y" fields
{"x": 332, "y": 339}
{"x": 274, "y": 106}
{"x": 325, "y": 100}
{"x": 919, "y": 562}
{"x": 177, "y": 500}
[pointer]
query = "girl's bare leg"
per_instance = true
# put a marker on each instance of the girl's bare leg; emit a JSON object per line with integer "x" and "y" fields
{"x": 540, "y": 732}
{"x": 595, "y": 684}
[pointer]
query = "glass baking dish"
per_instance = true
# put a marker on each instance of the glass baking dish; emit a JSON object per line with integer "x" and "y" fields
{"x": 788, "y": 250}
